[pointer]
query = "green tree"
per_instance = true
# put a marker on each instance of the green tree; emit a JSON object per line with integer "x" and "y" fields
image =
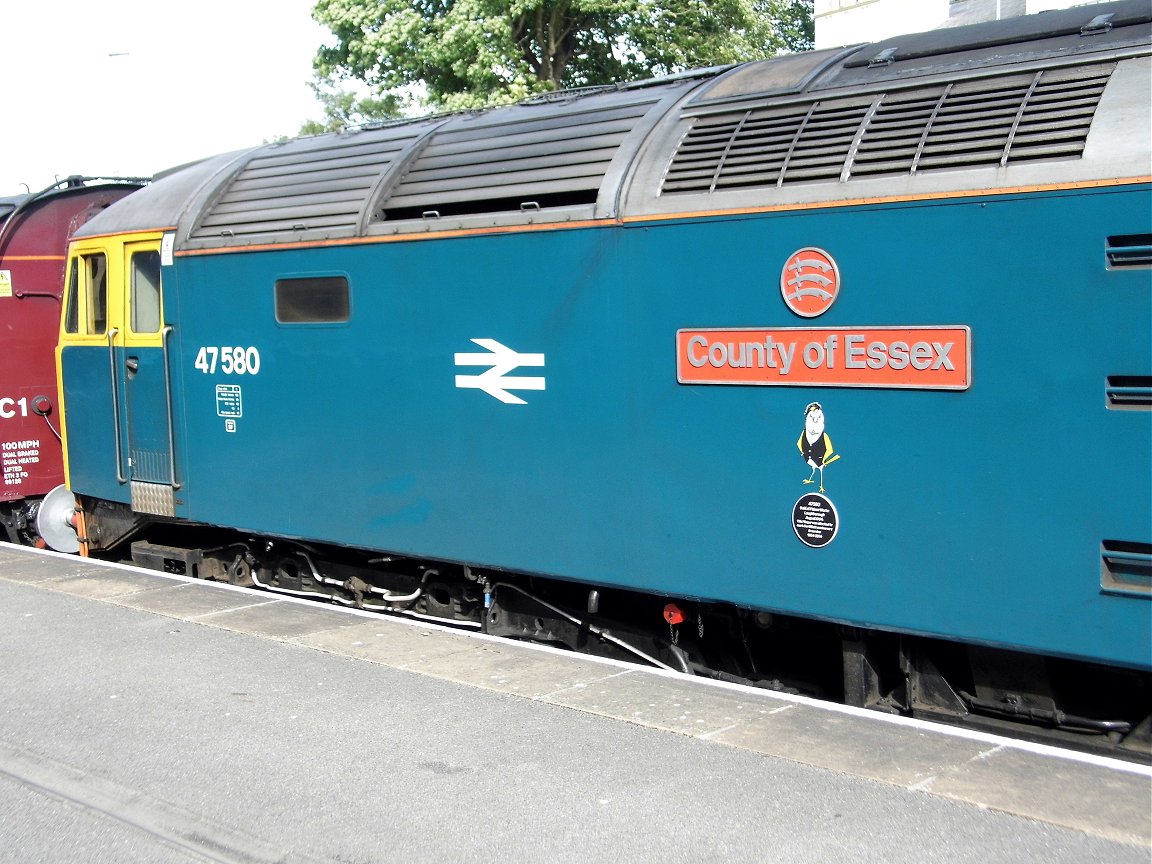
{"x": 343, "y": 108}
{"x": 469, "y": 53}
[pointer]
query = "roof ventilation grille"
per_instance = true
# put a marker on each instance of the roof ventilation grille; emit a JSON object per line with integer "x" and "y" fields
{"x": 320, "y": 182}
{"x": 967, "y": 124}
{"x": 520, "y": 159}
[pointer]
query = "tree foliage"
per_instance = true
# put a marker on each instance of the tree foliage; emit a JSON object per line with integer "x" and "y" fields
{"x": 468, "y": 53}
{"x": 343, "y": 108}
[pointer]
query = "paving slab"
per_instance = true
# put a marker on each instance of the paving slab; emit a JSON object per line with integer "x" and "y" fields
{"x": 390, "y": 643}
{"x": 663, "y": 702}
{"x": 43, "y": 568}
{"x": 187, "y": 601}
{"x": 277, "y": 619}
{"x": 535, "y": 675}
{"x": 1062, "y": 792}
{"x": 903, "y": 754}
{"x": 100, "y": 584}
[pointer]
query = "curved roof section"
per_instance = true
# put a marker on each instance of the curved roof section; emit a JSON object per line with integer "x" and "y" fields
{"x": 1055, "y": 97}
{"x": 164, "y": 202}
{"x": 306, "y": 187}
{"x": 1048, "y": 98}
{"x": 553, "y": 158}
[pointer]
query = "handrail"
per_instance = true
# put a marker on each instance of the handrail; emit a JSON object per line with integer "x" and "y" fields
{"x": 120, "y": 476}
{"x": 168, "y": 328}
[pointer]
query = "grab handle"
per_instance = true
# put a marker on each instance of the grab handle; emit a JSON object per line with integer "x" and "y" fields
{"x": 112, "y": 372}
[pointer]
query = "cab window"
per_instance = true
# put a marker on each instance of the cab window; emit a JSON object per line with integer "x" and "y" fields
{"x": 87, "y": 308}
{"x": 72, "y": 310}
{"x": 97, "y": 272}
{"x": 145, "y": 298}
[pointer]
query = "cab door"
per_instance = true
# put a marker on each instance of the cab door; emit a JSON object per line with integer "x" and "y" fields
{"x": 115, "y": 375}
{"x": 89, "y": 372}
{"x": 148, "y": 436}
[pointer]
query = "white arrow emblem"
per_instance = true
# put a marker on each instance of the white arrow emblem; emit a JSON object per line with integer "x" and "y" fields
{"x": 495, "y": 381}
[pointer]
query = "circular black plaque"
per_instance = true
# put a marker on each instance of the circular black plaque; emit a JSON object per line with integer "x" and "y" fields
{"x": 814, "y": 520}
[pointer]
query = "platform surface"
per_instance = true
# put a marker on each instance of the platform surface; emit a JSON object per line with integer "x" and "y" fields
{"x": 148, "y": 718}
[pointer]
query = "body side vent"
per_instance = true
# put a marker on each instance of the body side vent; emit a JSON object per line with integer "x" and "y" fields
{"x": 1126, "y": 568}
{"x": 1128, "y": 392}
{"x": 1128, "y": 251}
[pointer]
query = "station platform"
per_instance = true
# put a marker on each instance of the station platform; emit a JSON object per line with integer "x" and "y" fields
{"x": 152, "y": 718}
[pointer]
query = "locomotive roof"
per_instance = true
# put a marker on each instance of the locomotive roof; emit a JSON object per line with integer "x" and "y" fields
{"x": 1007, "y": 103}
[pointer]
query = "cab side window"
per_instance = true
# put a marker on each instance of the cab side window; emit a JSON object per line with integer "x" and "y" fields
{"x": 96, "y": 267}
{"x": 72, "y": 310}
{"x": 145, "y": 298}
{"x": 86, "y": 311}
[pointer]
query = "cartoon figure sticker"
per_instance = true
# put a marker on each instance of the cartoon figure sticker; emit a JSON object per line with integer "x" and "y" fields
{"x": 810, "y": 282}
{"x": 814, "y": 517}
{"x": 814, "y": 444}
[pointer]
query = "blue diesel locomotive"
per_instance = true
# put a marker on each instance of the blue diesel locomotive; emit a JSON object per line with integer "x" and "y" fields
{"x": 829, "y": 372}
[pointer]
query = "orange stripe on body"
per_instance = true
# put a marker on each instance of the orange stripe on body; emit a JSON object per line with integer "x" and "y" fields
{"x": 894, "y": 199}
{"x": 665, "y": 217}
{"x": 406, "y": 238}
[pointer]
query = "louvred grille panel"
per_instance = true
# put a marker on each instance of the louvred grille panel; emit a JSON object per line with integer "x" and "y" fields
{"x": 987, "y": 122}
{"x": 308, "y": 183}
{"x": 516, "y": 158}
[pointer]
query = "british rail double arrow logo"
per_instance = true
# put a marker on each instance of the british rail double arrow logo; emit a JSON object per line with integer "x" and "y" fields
{"x": 495, "y": 381}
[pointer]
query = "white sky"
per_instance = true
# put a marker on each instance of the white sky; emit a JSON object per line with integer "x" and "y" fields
{"x": 194, "y": 79}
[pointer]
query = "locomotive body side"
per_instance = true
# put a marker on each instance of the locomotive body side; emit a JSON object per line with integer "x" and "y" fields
{"x": 962, "y": 512}
{"x": 623, "y": 386}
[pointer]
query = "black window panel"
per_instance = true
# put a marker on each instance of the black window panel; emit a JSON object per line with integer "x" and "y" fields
{"x": 313, "y": 300}
{"x": 72, "y": 309}
{"x": 97, "y": 266}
